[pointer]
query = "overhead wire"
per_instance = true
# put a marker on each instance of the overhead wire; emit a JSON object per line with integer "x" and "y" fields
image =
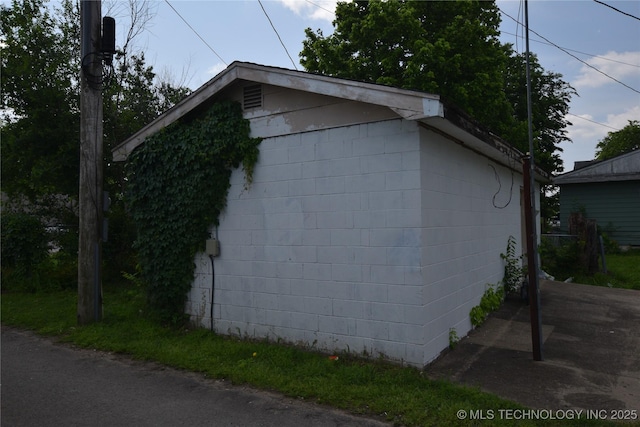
{"x": 519, "y": 27}
{"x": 576, "y": 51}
{"x": 617, "y": 10}
{"x": 319, "y": 7}
{"x": 277, "y": 34}
{"x": 593, "y": 121}
{"x": 196, "y": 33}
{"x": 573, "y": 56}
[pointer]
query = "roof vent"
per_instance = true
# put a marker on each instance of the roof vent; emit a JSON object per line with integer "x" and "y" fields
{"x": 252, "y": 97}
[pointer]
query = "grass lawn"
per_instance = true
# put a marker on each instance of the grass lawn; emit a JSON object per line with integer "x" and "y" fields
{"x": 623, "y": 271}
{"x": 401, "y": 395}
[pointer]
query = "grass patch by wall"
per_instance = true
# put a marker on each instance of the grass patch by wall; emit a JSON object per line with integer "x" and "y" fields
{"x": 623, "y": 271}
{"x": 398, "y": 394}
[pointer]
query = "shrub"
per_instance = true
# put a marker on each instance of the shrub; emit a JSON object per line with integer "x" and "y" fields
{"x": 490, "y": 302}
{"x": 24, "y": 247}
{"x": 560, "y": 260}
{"x": 513, "y": 270}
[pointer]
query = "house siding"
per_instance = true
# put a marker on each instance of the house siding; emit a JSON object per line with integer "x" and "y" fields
{"x": 614, "y": 205}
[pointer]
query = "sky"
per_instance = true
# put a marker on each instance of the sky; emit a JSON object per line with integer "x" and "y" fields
{"x": 595, "y": 48}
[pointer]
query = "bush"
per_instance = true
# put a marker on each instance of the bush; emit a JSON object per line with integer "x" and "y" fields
{"x": 24, "y": 248}
{"x": 610, "y": 245}
{"x": 118, "y": 254}
{"x": 59, "y": 271}
{"x": 513, "y": 271}
{"x": 560, "y": 260}
{"x": 490, "y": 302}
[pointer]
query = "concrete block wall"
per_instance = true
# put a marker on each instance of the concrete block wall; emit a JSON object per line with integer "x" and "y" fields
{"x": 471, "y": 205}
{"x": 375, "y": 238}
{"x": 324, "y": 248}
{"x": 199, "y": 297}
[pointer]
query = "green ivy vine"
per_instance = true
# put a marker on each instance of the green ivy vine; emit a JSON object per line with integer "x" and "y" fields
{"x": 490, "y": 302}
{"x": 495, "y": 294}
{"x": 178, "y": 182}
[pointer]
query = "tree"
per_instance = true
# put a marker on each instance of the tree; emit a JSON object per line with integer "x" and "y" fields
{"x": 448, "y": 48}
{"x": 452, "y": 49}
{"x": 619, "y": 142}
{"x": 41, "y": 118}
{"x": 40, "y": 64}
{"x": 550, "y": 101}
{"x": 40, "y": 97}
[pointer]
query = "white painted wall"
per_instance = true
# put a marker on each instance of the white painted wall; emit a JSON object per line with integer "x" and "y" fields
{"x": 373, "y": 238}
{"x": 324, "y": 248}
{"x": 471, "y": 205}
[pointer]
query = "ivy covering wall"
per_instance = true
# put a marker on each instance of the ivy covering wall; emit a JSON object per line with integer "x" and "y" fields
{"x": 178, "y": 185}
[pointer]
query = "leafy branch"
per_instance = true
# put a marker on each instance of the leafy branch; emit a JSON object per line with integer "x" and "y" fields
{"x": 513, "y": 270}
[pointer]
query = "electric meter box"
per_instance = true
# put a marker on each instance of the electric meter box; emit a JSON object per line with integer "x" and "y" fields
{"x": 212, "y": 247}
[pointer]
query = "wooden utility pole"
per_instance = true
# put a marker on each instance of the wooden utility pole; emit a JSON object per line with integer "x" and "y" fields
{"x": 91, "y": 169}
{"x": 530, "y": 216}
{"x": 532, "y": 264}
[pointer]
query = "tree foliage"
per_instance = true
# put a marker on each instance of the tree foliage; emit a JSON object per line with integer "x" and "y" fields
{"x": 41, "y": 117}
{"x": 451, "y": 49}
{"x": 448, "y": 48}
{"x": 619, "y": 142}
{"x": 40, "y": 67}
{"x": 23, "y": 243}
{"x": 550, "y": 103}
{"x": 41, "y": 126}
{"x": 178, "y": 183}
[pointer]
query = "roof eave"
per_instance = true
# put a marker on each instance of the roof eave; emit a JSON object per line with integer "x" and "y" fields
{"x": 457, "y": 126}
{"x": 428, "y": 109}
{"x": 408, "y": 104}
{"x": 562, "y": 180}
{"x": 182, "y": 108}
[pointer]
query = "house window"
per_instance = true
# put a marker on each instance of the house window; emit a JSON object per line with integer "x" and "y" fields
{"x": 252, "y": 97}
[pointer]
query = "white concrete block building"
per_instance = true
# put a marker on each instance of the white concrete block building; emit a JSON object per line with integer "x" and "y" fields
{"x": 374, "y": 223}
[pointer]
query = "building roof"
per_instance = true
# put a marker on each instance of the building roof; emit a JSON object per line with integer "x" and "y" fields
{"x": 428, "y": 109}
{"x": 624, "y": 167}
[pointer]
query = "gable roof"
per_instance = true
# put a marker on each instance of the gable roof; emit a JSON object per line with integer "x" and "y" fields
{"x": 428, "y": 109}
{"x": 624, "y": 167}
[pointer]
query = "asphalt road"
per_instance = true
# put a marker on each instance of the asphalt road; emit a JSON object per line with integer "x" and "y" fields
{"x": 48, "y": 384}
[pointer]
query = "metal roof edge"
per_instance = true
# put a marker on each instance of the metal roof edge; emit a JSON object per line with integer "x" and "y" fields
{"x": 585, "y": 174}
{"x": 598, "y": 178}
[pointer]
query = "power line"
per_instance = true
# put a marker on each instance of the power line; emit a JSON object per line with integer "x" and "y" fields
{"x": 573, "y": 56}
{"x": 617, "y": 10}
{"x": 276, "y": 31}
{"x": 319, "y": 7}
{"x": 593, "y": 121}
{"x": 577, "y": 51}
{"x": 196, "y": 33}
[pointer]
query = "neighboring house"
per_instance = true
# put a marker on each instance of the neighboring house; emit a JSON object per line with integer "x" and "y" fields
{"x": 607, "y": 191}
{"x": 374, "y": 222}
